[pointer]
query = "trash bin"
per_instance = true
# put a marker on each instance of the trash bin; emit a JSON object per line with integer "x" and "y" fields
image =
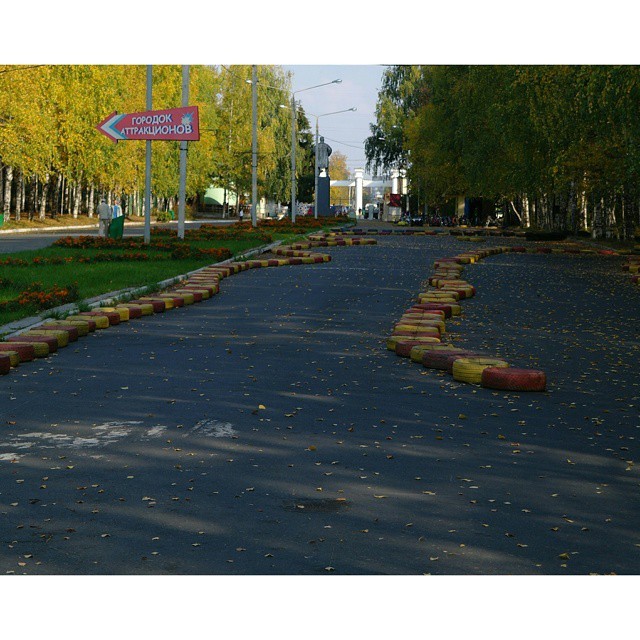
{"x": 1, "y": 219}
{"x": 116, "y": 228}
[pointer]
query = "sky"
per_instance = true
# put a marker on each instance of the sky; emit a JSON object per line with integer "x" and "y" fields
{"x": 343, "y": 132}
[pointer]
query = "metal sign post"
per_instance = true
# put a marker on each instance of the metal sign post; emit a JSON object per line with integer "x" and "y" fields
{"x": 254, "y": 145}
{"x": 147, "y": 170}
{"x": 183, "y": 158}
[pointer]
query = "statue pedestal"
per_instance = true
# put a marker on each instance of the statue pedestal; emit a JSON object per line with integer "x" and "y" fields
{"x": 323, "y": 195}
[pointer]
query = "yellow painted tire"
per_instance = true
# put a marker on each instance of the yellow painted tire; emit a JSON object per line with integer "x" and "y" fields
{"x": 62, "y": 337}
{"x": 40, "y": 349}
{"x": 123, "y": 312}
{"x": 135, "y": 310}
{"x": 419, "y": 324}
{"x": 14, "y": 357}
{"x": 470, "y": 369}
{"x": 168, "y": 301}
{"x": 404, "y": 345}
{"x": 418, "y": 350}
{"x": 392, "y": 341}
{"x": 102, "y": 322}
{"x": 440, "y": 300}
{"x": 147, "y": 309}
{"x": 441, "y": 293}
{"x": 436, "y": 314}
{"x": 205, "y": 291}
{"x": 90, "y": 322}
{"x": 82, "y": 327}
{"x": 421, "y": 328}
{"x": 81, "y": 322}
{"x": 187, "y": 297}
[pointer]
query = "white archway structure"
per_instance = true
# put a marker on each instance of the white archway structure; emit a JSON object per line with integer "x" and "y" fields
{"x": 358, "y": 183}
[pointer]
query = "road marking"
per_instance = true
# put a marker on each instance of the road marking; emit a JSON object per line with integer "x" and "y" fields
{"x": 214, "y": 428}
{"x": 105, "y": 435}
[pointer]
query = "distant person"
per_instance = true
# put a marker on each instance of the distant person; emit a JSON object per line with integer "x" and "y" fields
{"x": 104, "y": 216}
{"x": 117, "y": 210}
{"x": 241, "y": 215}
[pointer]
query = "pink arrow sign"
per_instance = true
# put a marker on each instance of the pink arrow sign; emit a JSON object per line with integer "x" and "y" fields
{"x": 167, "y": 124}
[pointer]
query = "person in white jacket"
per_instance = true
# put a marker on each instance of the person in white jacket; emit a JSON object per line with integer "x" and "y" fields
{"x": 104, "y": 215}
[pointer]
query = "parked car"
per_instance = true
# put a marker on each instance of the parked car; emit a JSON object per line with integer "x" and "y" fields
{"x": 416, "y": 219}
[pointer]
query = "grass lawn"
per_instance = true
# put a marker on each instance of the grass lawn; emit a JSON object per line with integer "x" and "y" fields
{"x": 50, "y": 274}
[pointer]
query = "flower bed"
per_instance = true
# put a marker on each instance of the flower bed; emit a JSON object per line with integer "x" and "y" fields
{"x": 36, "y": 297}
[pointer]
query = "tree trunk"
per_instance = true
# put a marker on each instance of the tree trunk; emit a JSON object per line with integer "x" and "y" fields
{"x": 572, "y": 208}
{"x": 584, "y": 211}
{"x": 515, "y": 211}
{"x": 627, "y": 216}
{"x": 32, "y": 194}
{"x": 610, "y": 229}
{"x": 8, "y": 183}
{"x": 597, "y": 224}
{"x": 77, "y": 197}
{"x": 526, "y": 216}
{"x": 66, "y": 200}
{"x": 19, "y": 195}
{"x": 43, "y": 197}
{"x": 91, "y": 204}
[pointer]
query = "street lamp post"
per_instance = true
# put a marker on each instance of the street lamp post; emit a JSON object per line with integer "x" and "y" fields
{"x": 254, "y": 145}
{"x": 293, "y": 142}
{"x": 254, "y": 162}
{"x": 315, "y": 196}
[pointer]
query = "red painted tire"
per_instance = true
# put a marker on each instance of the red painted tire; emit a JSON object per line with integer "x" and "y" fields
{"x": 71, "y": 331}
{"x": 403, "y": 347}
{"x": 5, "y": 364}
{"x": 443, "y": 360}
{"x": 177, "y": 301}
{"x": 134, "y": 310}
{"x": 426, "y": 306}
{"x": 197, "y": 295}
{"x": 49, "y": 340}
{"x": 158, "y": 305}
{"x": 112, "y": 316}
{"x": 26, "y": 351}
{"x": 512, "y": 379}
{"x": 90, "y": 323}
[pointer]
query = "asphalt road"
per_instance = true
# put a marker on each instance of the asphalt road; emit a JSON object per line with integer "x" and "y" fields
{"x": 269, "y": 431}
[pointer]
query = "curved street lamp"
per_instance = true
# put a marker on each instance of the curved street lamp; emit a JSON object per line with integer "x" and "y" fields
{"x": 254, "y": 81}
